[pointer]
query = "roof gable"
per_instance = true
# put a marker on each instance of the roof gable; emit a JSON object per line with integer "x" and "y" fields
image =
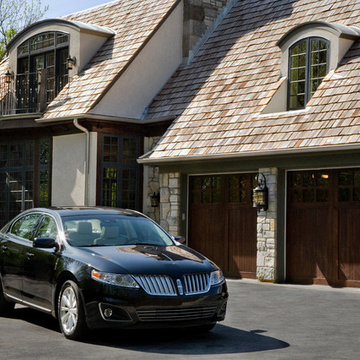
{"x": 219, "y": 97}
{"x": 134, "y": 22}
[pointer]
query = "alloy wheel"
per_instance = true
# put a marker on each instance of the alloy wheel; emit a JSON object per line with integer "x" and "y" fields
{"x": 69, "y": 310}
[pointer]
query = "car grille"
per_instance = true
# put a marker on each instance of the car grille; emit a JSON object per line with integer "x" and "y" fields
{"x": 157, "y": 284}
{"x": 177, "y": 314}
{"x": 191, "y": 284}
{"x": 196, "y": 283}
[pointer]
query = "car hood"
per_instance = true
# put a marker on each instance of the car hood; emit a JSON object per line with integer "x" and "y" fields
{"x": 147, "y": 259}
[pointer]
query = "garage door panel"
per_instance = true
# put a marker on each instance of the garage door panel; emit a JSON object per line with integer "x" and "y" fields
{"x": 241, "y": 245}
{"x": 308, "y": 248}
{"x": 207, "y": 234}
{"x": 222, "y": 221}
{"x": 349, "y": 244}
{"x": 322, "y": 241}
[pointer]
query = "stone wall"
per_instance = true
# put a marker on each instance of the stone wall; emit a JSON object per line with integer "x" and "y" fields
{"x": 170, "y": 202}
{"x": 199, "y": 15}
{"x": 267, "y": 231}
{"x": 151, "y": 182}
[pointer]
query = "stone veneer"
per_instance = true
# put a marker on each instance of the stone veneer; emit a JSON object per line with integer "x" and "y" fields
{"x": 199, "y": 15}
{"x": 267, "y": 231}
{"x": 151, "y": 182}
{"x": 170, "y": 202}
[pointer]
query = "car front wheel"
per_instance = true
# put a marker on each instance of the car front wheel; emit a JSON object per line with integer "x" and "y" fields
{"x": 71, "y": 312}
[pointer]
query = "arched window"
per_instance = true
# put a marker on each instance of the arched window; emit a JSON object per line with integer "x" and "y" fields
{"x": 41, "y": 70}
{"x": 308, "y": 65}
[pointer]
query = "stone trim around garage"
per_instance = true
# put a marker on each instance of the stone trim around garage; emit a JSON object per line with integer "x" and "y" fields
{"x": 267, "y": 231}
{"x": 170, "y": 184}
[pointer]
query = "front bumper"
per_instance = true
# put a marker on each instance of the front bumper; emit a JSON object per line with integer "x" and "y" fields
{"x": 134, "y": 308}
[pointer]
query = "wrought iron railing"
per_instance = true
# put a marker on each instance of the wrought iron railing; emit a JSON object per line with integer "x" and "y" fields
{"x": 29, "y": 93}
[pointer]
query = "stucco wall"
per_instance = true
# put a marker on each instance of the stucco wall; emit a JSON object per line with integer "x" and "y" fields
{"x": 148, "y": 73}
{"x": 68, "y": 170}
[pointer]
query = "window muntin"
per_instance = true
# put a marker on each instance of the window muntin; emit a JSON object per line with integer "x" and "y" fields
{"x": 120, "y": 182}
{"x": 24, "y": 176}
{"x": 308, "y": 65}
{"x": 41, "y": 68}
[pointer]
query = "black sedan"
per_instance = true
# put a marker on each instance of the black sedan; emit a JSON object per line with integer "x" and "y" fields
{"x": 95, "y": 268}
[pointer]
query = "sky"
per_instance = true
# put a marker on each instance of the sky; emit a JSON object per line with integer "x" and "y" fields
{"x": 65, "y": 7}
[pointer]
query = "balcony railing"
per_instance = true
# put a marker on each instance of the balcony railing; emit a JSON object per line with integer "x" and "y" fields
{"x": 29, "y": 93}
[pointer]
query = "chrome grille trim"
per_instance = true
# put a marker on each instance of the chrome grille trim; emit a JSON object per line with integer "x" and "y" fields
{"x": 177, "y": 314}
{"x": 156, "y": 284}
{"x": 196, "y": 283}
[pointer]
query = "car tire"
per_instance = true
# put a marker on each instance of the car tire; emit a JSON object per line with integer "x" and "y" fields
{"x": 71, "y": 313}
{"x": 6, "y": 307}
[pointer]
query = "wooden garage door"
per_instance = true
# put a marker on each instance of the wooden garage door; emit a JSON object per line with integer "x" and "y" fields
{"x": 222, "y": 222}
{"x": 323, "y": 227}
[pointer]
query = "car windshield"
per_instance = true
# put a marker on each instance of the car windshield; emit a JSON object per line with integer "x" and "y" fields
{"x": 113, "y": 230}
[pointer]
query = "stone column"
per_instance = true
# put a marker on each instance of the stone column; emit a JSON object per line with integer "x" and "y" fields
{"x": 199, "y": 15}
{"x": 170, "y": 202}
{"x": 267, "y": 231}
{"x": 151, "y": 182}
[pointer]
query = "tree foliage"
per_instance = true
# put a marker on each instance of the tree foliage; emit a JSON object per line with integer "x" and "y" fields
{"x": 16, "y": 15}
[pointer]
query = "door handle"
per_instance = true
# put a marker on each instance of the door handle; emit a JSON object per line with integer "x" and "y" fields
{"x": 29, "y": 255}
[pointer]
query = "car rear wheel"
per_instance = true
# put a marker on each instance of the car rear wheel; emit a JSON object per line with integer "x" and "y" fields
{"x": 71, "y": 312}
{"x": 6, "y": 307}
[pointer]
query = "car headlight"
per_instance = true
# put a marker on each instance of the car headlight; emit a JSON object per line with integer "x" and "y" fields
{"x": 123, "y": 280}
{"x": 216, "y": 277}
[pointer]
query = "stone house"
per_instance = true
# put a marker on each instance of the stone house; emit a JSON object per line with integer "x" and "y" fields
{"x": 271, "y": 97}
{"x": 201, "y": 101}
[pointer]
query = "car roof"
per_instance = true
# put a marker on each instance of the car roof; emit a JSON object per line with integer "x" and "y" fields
{"x": 88, "y": 210}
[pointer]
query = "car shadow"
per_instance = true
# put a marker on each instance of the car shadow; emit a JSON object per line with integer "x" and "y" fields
{"x": 35, "y": 317}
{"x": 222, "y": 339}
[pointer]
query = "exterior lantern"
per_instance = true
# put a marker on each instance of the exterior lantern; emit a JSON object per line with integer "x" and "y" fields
{"x": 70, "y": 62}
{"x": 155, "y": 199}
{"x": 260, "y": 193}
{"x": 9, "y": 76}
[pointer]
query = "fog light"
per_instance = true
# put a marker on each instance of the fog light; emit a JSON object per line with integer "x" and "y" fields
{"x": 108, "y": 312}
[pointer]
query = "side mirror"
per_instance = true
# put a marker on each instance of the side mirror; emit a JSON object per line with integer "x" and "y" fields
{"x": 45, "y": 243}
{"x": 180, "y": 239}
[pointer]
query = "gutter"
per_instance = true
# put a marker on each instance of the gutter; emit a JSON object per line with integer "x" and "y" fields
{"x": 91, "y": 116}
{"x": 144, "y": 159}
{"x": 87, "y": 158}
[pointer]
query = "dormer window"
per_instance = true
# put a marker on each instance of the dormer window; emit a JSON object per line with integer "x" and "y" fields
{"x": 41, "y": 70}
{"x": 309, "y": 52}
{"x": 308, "y": 65}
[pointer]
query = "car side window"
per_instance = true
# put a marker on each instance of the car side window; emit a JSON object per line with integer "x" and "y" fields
{"x": 48, "y": 228}
{"x": 25, "y": 226}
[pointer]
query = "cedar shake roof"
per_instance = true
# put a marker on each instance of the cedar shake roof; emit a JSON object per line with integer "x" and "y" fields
{"x": 134, "y": 22}
{"x": 219, "y": 97}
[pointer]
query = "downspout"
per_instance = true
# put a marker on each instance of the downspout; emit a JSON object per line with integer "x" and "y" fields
{"x": 87, "y": 157}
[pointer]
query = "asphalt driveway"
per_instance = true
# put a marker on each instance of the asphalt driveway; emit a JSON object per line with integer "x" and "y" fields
{"x": 264, "y": 321}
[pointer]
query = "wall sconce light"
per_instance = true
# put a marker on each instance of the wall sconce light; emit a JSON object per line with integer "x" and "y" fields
{"x": 260, "y": 193}
{"x": 9, "y": 76}
{"x": 70, "y": 62}
{"x": 155, "y": 199}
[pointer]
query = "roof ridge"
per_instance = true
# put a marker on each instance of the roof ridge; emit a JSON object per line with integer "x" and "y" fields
{"x": 89, "y": 10}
